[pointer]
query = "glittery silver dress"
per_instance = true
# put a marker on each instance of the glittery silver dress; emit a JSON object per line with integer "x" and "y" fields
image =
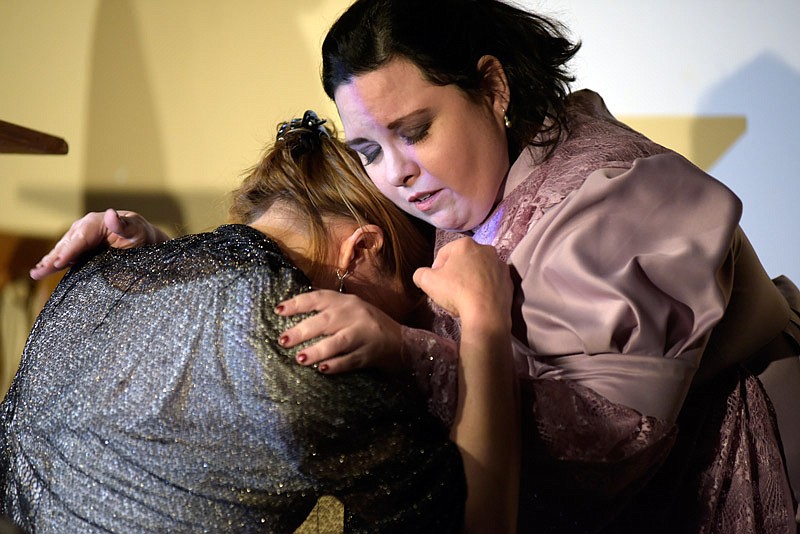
{"x": 153, "y": 397}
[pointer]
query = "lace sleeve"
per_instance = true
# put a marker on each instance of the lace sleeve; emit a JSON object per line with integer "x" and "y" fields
{"x": 434, "y": 362}
{"x": 584, "y": 457}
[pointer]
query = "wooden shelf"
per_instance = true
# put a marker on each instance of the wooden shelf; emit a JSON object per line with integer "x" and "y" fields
{"x": 20, "y": 140}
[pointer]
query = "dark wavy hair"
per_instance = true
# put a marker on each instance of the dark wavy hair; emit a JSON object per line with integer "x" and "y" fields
{"x": 446, "y": 38}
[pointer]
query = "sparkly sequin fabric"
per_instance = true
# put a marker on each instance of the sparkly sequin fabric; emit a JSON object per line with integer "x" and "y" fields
{"x": 153, "y": 397}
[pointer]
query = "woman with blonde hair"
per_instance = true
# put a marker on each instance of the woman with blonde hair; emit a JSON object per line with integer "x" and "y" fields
{"x": 156, "y": 394}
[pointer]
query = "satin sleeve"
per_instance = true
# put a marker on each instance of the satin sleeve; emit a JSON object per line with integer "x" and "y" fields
{"x": 622, "y": 283}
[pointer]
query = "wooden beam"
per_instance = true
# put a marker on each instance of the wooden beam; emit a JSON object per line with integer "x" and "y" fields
{"x": 20, "y": 140}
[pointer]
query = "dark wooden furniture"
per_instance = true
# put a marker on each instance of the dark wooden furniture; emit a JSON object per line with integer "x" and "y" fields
{"x": 16, "y": 139}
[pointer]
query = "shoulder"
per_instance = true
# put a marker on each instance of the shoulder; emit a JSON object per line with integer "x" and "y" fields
{"x": 594, "y": 140}
{"x": 229, "y": 247}
{"x": 658, "y": 199}
{"x": 230, "y": 254}
{"x": 597, "y": 139}
{"x": 662, "y": 214}
{"x": 662, "y": 183}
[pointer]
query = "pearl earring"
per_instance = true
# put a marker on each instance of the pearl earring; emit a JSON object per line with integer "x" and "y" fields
{"x": 506, "y": 120}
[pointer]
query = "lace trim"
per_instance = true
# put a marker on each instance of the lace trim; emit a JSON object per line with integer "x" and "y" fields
{"x": 434, "y": 364}
{"x": 597, "y": 140}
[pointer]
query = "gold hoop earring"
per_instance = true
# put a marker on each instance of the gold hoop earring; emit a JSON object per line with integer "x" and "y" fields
{"x": 341, "y": 278}
{"x": 506, "y": 120}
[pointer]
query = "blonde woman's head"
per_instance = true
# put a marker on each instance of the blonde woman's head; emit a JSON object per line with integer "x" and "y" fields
{"x": 316, "y": 179}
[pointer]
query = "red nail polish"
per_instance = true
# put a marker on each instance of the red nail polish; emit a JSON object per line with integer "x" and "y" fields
{"x": 323, "y": 367}
{"x": 301, "y": 357}
{"x": 279, "y": 308}
{"x": 283, "y": 340}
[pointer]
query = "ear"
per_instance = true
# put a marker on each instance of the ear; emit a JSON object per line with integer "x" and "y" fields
{"x": 362, "y": 245}
{"x": 495, "y": 83}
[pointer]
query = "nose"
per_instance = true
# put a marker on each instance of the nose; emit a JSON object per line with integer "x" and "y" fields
{"x": 402, "y": 169}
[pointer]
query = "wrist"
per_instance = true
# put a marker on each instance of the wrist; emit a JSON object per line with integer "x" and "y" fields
{"x": 485, "y": 323}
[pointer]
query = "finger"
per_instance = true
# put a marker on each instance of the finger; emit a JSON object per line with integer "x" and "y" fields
{"x": 84, "y": 234}
{"x": 43, "y": 269}
{"x": 116, "y": 223}
{"x": 312, "y": 327}
{"x": 71, "y": 247}
{"x": 420, "y": 276}
{"x": 428, "y": 280}
{"x": 338, "y": 345}
{"x": 121, "y": 229}
{"x": 128, "y": 229}
{"x": 45, "y": 265}
{"x": 311, "y": 301}
{"x": 441, "y": 256}
{"x": 63, "y": 254}
{"x": 341, "y": 364}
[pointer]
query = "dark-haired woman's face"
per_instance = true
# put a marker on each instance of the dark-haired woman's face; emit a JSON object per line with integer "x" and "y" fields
{"x": 436, "y": 153}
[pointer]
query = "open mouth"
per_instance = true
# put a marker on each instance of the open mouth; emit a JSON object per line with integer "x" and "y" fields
{"x": 425, "y": 201}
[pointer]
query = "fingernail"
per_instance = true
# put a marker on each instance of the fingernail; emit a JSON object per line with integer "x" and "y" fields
{"x": 279, "y": 308}
{"x": 283, "y": 340}
{"x": 302, "y": 358}
{"x": 323, "y": 367}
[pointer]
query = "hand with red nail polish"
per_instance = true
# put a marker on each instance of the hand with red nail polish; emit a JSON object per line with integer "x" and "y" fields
{"x": 353, "y": 334}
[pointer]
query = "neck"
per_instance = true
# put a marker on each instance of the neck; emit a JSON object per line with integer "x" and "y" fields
{"x": 289, "y": 232}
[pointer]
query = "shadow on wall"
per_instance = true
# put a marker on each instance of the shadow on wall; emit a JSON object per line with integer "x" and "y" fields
{"x": 124, "y": 165}
{"x": 701, "y": 139}
{"x": 762, "y": 168}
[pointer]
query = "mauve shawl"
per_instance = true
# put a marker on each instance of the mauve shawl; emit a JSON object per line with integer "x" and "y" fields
{"x": 625, "y": 253}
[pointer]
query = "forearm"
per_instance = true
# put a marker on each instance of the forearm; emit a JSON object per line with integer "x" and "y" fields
{"x": 470, "y": 282}
{"x": 486, "y": 427}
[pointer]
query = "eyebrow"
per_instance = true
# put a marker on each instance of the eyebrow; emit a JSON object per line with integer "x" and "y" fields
{"x": 406, "y": 118}
{"x": 391, "y": 126}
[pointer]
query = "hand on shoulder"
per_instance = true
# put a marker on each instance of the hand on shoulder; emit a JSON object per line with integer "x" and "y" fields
{"x": 115, "y": 228}
{"x": 354, "y": 333}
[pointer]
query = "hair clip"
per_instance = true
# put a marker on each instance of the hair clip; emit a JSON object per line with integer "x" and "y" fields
{"x": 310, "y": 122}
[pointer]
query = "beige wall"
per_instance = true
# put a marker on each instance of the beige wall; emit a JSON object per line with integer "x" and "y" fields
{"x": 163, "y": 103}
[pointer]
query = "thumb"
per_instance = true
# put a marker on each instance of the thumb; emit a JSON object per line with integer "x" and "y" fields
{"x": 421, "y": 277}
{"x": 430, "y": 281}
{"x": 116, "y": 223}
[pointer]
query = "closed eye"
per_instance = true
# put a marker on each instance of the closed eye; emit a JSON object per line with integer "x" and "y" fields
{"x": 369, "y": 154}
{"x": 367, "y": 151}
{"x": 415, "y": 135}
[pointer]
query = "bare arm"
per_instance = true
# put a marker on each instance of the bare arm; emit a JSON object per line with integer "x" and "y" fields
{"x": 470, "y": 281}
{"x": 115, "y": 228}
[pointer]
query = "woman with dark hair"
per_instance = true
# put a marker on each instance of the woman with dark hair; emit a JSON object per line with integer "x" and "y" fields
{"x": 635, "y": 280}
{"x": 155, "y": 393}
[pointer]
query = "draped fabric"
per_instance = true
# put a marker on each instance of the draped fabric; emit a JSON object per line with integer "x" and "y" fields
{"x": 153, "y": 397}
{"x": 639, "y": 304}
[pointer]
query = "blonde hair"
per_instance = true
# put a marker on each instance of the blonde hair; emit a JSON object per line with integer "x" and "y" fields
{"x": 319, "y": 176}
